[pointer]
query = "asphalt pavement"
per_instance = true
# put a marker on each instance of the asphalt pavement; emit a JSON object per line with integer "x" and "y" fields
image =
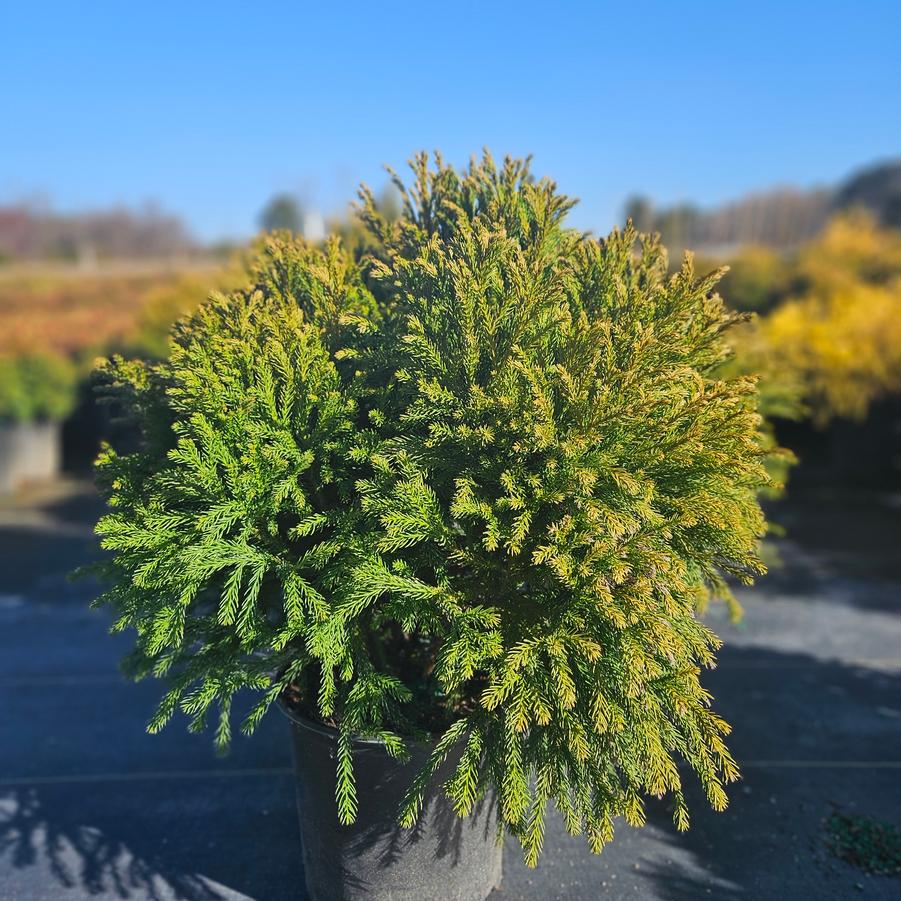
{"x": 92, "y": 807}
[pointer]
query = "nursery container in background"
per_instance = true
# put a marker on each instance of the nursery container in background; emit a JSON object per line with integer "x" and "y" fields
{"x": 29, "y": 452}
{"x": 37, "y": 391}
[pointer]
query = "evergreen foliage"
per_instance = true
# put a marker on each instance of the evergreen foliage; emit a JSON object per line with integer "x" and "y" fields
{"x": 475, "y": 485}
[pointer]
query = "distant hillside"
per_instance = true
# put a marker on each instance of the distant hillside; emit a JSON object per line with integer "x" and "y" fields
{"x": 878, "y": 188}
{"x": 27, "y": 233}
{"x": 779, "y": 218}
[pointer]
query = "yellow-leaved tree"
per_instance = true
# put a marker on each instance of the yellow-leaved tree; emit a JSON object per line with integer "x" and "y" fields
{"x": 839, "y": 336}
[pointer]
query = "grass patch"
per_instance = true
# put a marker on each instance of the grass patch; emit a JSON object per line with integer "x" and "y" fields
{"x": 865, "y": 843}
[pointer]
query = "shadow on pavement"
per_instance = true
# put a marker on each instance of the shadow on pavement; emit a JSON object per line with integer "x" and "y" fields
{"x": 198, "y": 841}
{"x": 808, "y": 735}
{"x": 819, "y": 742}
{"x": 837, "y": 544}
{"x": 810, "y": 732}
{"x": 44, "y": 535}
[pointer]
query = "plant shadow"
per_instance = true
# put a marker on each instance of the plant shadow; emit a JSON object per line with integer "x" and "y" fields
{"x": 194, "y": 843}
{"x": 809, "y": 735}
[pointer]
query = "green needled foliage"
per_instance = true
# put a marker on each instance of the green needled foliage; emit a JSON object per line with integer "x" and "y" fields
{"x": 475, "y": 485}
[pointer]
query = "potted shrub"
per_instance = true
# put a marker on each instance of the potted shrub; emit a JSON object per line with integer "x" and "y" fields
{"x": 455, "y": 506}
{"x": 37, "y": 391}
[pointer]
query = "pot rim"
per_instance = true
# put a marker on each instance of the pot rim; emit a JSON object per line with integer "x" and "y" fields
{"x": 330, "y": 733}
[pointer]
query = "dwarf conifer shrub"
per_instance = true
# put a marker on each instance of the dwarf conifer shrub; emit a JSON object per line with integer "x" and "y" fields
{"x": 474, "y": 486}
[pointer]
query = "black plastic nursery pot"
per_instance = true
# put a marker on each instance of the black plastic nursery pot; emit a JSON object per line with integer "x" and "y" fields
{"x": 442, "y": 857}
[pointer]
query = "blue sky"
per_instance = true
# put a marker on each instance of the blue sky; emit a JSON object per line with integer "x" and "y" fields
{"x": 208, "y": 109}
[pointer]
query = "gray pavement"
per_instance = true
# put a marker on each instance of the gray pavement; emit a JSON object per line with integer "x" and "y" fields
{"x": 93, "y": 807}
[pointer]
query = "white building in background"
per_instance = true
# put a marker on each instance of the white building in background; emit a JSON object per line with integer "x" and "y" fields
{"x": 314, "y": 229}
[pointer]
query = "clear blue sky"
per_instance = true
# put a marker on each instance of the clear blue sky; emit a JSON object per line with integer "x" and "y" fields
{"x": 210, "y": 108}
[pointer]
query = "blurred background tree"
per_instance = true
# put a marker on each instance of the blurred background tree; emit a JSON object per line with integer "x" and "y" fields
{"x": 36, "y": 386}
{"x": 877, "y": 189}
{"x": 283, "y": 212}
{"x": 840, "y": 331}
{"x": 826, "y": 343}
